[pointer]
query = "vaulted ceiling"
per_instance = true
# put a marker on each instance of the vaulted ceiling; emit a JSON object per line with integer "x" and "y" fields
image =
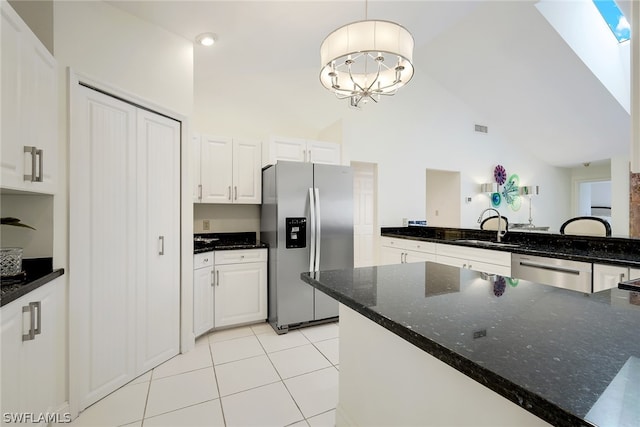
{"x": 502, "y": 58}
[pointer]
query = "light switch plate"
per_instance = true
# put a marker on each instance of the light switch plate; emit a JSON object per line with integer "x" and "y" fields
{"x": 206, "y": 225}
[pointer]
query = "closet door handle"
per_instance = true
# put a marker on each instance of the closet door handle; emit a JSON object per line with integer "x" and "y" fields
{"x": 40, "y": 154}
{"x": 33, "y": 151}
{"x": 161, "y": 243}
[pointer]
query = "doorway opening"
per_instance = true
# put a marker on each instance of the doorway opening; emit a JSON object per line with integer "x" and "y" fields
{"x": 594, "y": 199}
{"x": 365, "y": 214}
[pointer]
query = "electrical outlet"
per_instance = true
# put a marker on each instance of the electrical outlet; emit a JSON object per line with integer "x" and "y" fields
{"x": 206, "y": 225}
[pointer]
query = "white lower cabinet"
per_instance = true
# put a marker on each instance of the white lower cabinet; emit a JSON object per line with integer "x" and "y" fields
{"x": 608, "y": 276}
{"x": 34, "y": 351}
{"x": 483, "y": 260}
{"x": 203, "y": 293}
{"x": 634, "y": 273}
{"x": 400, "y": 251}
{"x": 231, "y": 290}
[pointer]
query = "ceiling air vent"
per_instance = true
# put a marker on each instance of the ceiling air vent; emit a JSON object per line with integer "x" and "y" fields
{"x": 482, "y": 129}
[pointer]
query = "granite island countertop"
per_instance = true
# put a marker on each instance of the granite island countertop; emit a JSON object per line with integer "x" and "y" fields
{"x": 569, "y": 358}
{"x": 606, "y": 250}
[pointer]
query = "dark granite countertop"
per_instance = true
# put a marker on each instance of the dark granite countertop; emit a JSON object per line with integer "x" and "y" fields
{"x": 569, "y": 358}
{"x": 606, "y": 250}
{"x": 37, "y": 272}
{"x": 207, "y": 242}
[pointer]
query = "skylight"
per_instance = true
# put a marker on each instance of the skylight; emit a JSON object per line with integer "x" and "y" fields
{"x": 615, "y": 19}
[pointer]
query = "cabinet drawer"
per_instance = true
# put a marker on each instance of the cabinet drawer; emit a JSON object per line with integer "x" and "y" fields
{"x": 475, "y": 254}
{"x": 204, "y": 259}
{"x": 412, "y": 245}
{"x": 240, "y": 256}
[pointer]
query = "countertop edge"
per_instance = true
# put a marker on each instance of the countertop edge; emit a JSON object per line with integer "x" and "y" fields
{"x": 521, "y": 250}
{"x": 31, "y": 286}
{"x": 527, "y": 400}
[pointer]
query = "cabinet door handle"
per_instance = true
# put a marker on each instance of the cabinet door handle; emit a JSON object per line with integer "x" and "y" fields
{"x": 622, "y": 277}
{"x": 31, "y": 334}
{"x": 161, "y": 243}
{"x": 217, "y": 277}
{"x": 235, "y": 192}
{"x": 37, "y": 306}
{"x": 40, "y": 154}
{"x": 213, "y": 279}
{"x": 309, "y": 156}
{"x": 33, "y": 151}
{"x": 229, "y": 192}
{"x": 199, "y": 191}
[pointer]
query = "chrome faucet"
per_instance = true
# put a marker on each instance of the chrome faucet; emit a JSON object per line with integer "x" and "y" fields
{"x": 500, "y": 232}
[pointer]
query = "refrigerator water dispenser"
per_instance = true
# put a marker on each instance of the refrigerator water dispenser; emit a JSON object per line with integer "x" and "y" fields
{"x": 296, "y": 232}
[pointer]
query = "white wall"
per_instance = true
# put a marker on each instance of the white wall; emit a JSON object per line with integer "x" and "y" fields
{"x": 33, "y": 210}
{"x": 226, "y": 218}
{"x": 425, "y": 127}
{"x": 124, "y": 52}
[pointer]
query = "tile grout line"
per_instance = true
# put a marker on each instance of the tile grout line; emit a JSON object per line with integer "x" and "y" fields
{"x": 283, "y": 383}
{"x": 215, "y": 378}
{"x": 146, "y": 401}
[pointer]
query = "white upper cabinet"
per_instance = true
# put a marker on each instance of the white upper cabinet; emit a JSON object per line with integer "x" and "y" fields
{"x": 29, "y": 108}
{"x": 300, "y": 150}
{"x": 247, "y": 173}
{"x": 226, "y": 170}
{"x": 323, "y": 152}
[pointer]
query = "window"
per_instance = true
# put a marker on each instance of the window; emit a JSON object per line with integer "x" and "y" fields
{"x": 615, "y": 19}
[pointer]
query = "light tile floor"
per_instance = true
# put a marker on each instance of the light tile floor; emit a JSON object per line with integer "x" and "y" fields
{"x": 246, "y": 376}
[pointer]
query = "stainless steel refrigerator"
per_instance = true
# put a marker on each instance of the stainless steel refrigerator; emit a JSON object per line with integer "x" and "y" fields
{"x": 307, "y": 220}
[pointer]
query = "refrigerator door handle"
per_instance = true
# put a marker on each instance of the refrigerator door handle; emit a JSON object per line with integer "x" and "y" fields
{"x": 318, "y": 229}
{"x": 312, "y": 227}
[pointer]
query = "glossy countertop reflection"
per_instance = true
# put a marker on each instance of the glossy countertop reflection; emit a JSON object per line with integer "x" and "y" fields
{"x": 567, "y": 357}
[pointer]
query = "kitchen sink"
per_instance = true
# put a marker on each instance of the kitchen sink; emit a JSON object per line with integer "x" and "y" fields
{"x": 488, "y": 243}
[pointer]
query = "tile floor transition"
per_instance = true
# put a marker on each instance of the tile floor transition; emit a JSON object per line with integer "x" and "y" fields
{"x": 246, "y": 376}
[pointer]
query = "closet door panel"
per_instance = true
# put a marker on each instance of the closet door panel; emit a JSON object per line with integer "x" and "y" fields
{"x": 102, "y": 245}
{"x": 158, "y": 228}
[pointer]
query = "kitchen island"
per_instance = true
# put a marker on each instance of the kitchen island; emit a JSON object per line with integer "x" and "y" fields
{"x": 429, "y": 344}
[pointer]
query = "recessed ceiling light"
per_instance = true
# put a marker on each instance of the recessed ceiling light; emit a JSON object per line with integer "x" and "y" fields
{"x": 206, "y": 39}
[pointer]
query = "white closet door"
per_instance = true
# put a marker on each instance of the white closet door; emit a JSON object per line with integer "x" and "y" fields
{"x": 158, "y": 228}
{"x": 102, "y": 261}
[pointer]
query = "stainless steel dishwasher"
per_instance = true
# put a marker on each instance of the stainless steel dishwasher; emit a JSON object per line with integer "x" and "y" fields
{"x": 562, "y": 273}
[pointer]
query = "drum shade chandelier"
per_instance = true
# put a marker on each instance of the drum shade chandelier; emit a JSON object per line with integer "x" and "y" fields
{"x": 365, "y": 60}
